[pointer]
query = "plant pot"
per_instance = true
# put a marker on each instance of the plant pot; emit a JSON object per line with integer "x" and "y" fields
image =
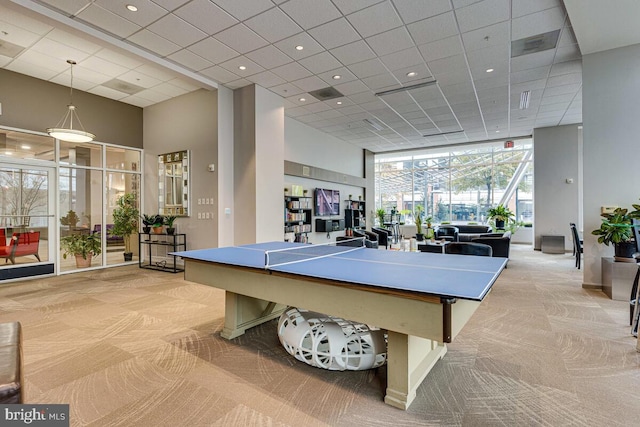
{"x": 158, "y": 230}
{"x": 420, "y": 237}
{"x": 146, "y": 230}
{"x": 128, "y": 256}
{"x": 500, "y": 224}
{"x": 170, "y": 230}
{"x": 82, "y": 262}
{"x": 624, "y": 251}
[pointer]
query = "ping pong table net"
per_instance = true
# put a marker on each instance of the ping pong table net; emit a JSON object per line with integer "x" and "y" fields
{"x": 277, "y": 257}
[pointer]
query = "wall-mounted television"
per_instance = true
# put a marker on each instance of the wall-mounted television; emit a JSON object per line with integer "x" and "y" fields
{"x": 327, "y": 202}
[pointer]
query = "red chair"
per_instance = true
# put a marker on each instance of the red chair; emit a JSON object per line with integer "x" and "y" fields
{"x": 21, "y": 244}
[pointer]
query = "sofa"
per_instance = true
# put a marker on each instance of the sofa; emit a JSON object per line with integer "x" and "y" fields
{"x": 468, "y": 232}
{"x": 370, "y": 239}
{"x": 111, "y": 239}
{"x": 499, "y": 242}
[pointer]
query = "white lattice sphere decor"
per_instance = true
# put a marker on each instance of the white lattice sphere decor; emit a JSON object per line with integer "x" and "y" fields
{"x": 330, "y": 342}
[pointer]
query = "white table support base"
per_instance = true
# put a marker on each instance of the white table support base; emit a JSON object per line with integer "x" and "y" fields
{"x": 243, "y": 312}
{"x": 409, "y": 360}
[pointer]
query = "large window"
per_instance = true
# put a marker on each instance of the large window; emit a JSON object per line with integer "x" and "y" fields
{"x": 459, "y": 185}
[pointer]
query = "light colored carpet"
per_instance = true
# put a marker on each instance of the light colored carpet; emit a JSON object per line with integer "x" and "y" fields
{"x": 132, "y": 347}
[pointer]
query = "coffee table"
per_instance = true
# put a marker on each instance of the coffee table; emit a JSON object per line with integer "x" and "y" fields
{"x": 433, "y": 247}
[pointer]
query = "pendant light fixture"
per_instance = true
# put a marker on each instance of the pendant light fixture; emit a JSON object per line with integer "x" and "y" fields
{"x": 70, "y": 134}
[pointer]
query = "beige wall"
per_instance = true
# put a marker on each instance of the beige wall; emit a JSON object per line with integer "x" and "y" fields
{"x": 188, "y": 122}
{"x": 33, "y": 104}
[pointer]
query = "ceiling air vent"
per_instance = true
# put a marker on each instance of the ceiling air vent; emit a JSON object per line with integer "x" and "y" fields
{"x": 122, "y": 86}
{"x": 534, "y": 44}
{"x": 326, "y": 93}
{"x": 9, "y": 49}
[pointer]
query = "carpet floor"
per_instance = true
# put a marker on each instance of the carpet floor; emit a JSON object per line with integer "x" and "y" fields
{"x": 132, "y": 347}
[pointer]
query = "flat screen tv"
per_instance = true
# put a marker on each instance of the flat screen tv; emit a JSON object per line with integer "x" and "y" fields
{"x": 327, "y": 202}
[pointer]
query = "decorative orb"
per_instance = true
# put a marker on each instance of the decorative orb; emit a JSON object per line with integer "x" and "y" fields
{"x": 330, "y": 342}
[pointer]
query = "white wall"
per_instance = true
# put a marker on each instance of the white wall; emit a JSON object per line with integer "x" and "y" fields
{"x": 556, "y": 203}
{"x": 611, "y": 115}
{"x": 188, "y": 122}
{"x": 309, "y": 146}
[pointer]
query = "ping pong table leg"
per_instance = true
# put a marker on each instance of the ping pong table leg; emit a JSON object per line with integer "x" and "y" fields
{"x": 243, "y": 312}
{"x": 409, "y": 360}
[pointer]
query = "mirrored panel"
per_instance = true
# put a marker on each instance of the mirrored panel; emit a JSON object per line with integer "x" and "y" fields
{"x": 173, "y": 183}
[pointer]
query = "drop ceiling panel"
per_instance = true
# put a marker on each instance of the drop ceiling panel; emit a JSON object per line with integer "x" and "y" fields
{"x": 482, "y": 14}
{"x": 415, "y": 10}
{"x": 537, "y": 23}
{"x": 335, "y": 33}
{"x": 350, "y": 6}
{"x": 153, "y": 42}
{"x": 190, "y": 60}
{"x": 273, "y": 25}
{"x": 402, "y": 59}
{"x": 353, "y": 52}
{"x": 292, "y": 71}
{"x": 390, "y": 41}
{"x": 108, "y": 20}
{"x": 177, "y": 30}
{"x": 375, "y": 19}
{"x": 321, "y": 62}
{"x": 234, "y": 65}
{"x": 213, "y": 50}
{"x": 244, "y": 9}
{"x": 311, "y": 13}
{"x": 147, "y": 13}
{"x": 288, "y": 46}
{"x": 206, "y": 16}
{"x": 220, "y": 74}
{"x": 241, "y": 38}
{"x": 432, "y": 29}
{"x": 269, "y": 57}
{"x": 439, "y": 49}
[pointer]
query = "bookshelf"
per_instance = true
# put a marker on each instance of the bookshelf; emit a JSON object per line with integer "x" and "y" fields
{"x": 297, "y": 217}
{"x": 355, "y": 214}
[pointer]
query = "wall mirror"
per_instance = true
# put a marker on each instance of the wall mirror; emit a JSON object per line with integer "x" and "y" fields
{"x": 173, "y": 183}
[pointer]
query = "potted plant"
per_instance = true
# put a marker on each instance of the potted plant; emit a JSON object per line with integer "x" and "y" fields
{"x": 125, "y": 221}
{"x": 83, "y": 246}
{"x": 168, "y": 221}
{"x": 147, "y": 222}
{"x": 419, "y": 209}
{"x": 157, "y": 223}
{"x": 500, "y": 215}
{"x": 429, "y": 234}
{"x": 380, "y": 213}
{"x": 617, "y": 229}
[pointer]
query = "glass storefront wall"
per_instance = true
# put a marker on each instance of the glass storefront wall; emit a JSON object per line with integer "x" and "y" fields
{"x": 457, "y": 185}
{"x": 84, "y": 180}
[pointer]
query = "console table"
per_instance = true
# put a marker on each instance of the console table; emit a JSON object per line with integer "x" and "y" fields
{"x": 154, "y": 251}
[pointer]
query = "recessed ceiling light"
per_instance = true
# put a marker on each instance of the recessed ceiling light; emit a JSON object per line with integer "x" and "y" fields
{"x": 302, "y": 99}
{"x": 489, "y": 70}
{"x": 132, "y": 8}
{"x": 337, "y": 77}
{"x": 8, "y": 153}
{"x": 25, "y": 147}
{"x": 242, "y": 67}
{"x": 339, "y": 102}
{"x": 299, "y": 47}
{"x": 412, "y": 74}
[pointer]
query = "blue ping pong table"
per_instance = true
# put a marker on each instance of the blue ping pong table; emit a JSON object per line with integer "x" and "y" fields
{"x": 423, "y": 300}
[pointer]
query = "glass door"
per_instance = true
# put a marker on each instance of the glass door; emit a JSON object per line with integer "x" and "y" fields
{"x": 27, "y": 229}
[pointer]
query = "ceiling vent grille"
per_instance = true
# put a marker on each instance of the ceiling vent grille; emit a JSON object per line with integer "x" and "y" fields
{"x": 9, "y": 49}
{"x": 533, "y": 44}
{"x": 122, "y": 86}
{"x": 326, "y": 93}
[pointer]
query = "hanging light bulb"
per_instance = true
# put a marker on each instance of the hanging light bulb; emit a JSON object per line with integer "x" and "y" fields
{"x": 70, "y": 134}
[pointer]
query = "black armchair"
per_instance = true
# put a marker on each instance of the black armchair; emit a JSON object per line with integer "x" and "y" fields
{"x": 447, "y": 232}
{"x": 499, "y": 242}
{"x": 468, "y": 248}
{"x": 383, "y": 236}
{"x": 370, "y": 238}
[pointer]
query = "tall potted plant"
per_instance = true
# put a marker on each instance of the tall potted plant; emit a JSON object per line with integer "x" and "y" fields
{"x": 125, "y": 221}
{"x": 419, "y": 209}
{"x": 500, "y": 215}
{"x": 380, "y": 213}
{"x": 81, "y": 245}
